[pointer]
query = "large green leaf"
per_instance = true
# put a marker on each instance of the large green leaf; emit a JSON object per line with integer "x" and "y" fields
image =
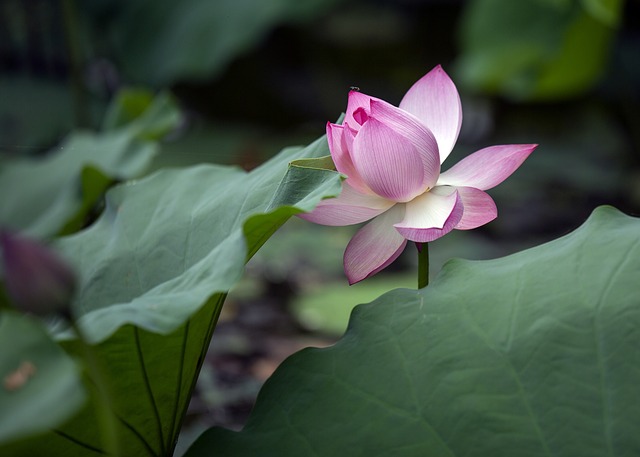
{"x": 52, "y": 195}
{"x": 534, "y": 354}
{"x": 154, "y": 272}
{"x": 40, "y": 384}
{"x": 181, "y": 235}
{"x": 536, "y": 49}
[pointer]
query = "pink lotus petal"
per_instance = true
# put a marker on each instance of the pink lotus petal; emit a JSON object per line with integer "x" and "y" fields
{"x": 431, "y": 215}
{"x": 339, "y": 149}
{"x": 350, "y": 207}
{"x": 435, "y": 101}
{"x": 374, "y": 247}
{"x": 388, "y": 162}
{"x": 487, "y": 167}
{"x": 415, "y": 131}
{"x": 340, "y": 138}
{"x": 479, "y": 208}
{"x": 356, "y": 100}
{"x": 349, "y": 135}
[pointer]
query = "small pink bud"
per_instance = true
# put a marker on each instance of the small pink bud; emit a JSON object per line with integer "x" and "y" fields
{"x": 36, "y": 279}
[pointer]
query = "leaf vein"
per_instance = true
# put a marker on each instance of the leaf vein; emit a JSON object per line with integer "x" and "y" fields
{"x": 147, "y": 385}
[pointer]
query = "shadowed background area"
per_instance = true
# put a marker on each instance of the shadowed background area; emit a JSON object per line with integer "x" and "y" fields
{"x": 253, "y": 76}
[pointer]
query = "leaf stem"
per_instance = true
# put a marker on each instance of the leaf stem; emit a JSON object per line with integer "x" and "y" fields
{"x": 423, "y": 264}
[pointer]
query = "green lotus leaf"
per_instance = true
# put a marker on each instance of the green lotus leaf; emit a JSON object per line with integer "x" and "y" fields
{"x": 534, "y": 354}
{"x": 154, "y": 272}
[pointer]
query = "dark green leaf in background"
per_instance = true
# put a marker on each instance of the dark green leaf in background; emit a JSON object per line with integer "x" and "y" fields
{"x": 534, "y": 354}
{"x": 143, "y": 114}
{"x": 536, "y": 49}
{"x": 51, "y": 195}
{"x": 162, "y": 41}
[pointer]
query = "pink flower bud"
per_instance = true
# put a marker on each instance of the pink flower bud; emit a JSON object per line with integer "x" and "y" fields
{"x": 36, "y": 279}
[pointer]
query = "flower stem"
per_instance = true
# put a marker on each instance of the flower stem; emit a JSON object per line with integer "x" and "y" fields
{"x": 423, "y": 265}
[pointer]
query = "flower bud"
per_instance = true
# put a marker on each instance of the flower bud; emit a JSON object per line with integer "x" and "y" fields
{"x": 37, "y": 280}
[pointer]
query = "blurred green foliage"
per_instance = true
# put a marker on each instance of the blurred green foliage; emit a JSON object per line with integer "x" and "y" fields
{"x": 54, "y": 194}
{"x": 159, "y": 42}
{"x": 536, "y": 49}
{"x": 327, "y": 307}
{"x": 36, "y": 375}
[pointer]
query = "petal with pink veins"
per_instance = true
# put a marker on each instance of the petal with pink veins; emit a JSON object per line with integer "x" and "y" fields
{"x": 338, "y": 149}
{"x": 350, "y": 207}
{"x": 374, "y": 247}
{"x": 487, "y": 167}
{"x": 431, "y": 215}
{"x": 415, "y": 131}
{"x": 479, "y": 208}
{"x": 435, "y": 101}
{"x": 340, "y": 138}
{"x": 349, "y": 135}
{"x": 388, "y": 162}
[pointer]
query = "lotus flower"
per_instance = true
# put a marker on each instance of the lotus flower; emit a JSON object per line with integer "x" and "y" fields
{"x": 391, "y": 157}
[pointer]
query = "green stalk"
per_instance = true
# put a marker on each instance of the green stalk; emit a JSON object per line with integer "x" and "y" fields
{"x": 423, "y": 265}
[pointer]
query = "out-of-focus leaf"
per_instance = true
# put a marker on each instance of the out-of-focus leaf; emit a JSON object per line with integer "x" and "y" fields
{"x": 327, "y": 307}
{"x": 41, "y": 385}
{"x": 162, "y": 41}
{"x": 606, "y": 11}
{"x": 534, "y": 354}
{"x": 43, "y": 195}
{"x": 536, "y": 49}
{"x": 51, "y": 195}
{"x": 155, "y": 269}
{"x": 142, "y": 114}
{"x": 93, "y": 184}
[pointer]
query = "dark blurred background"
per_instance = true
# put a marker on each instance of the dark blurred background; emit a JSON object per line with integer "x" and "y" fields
{"x": 254, "y": 76}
